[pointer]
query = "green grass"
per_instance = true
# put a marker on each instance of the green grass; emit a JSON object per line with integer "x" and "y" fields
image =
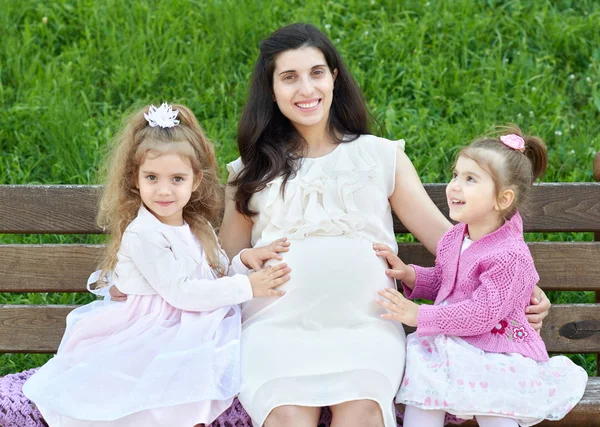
{"x": 436, "y": 73}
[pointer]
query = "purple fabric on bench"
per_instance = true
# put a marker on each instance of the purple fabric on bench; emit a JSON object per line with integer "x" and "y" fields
{"x": 17, "y": 411}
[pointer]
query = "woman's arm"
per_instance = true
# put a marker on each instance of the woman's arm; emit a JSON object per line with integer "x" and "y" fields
{"x": 236, "y": 229}
{"x": 414, "y": 208}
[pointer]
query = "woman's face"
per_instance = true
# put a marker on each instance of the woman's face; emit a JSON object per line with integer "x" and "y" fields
{"x": 303, "y": 87}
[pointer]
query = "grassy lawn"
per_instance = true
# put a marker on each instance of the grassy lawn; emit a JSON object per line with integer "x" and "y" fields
{"x": 436, "y": 73}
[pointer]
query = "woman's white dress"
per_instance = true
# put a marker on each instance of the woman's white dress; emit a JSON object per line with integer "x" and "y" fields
{"x": 324, "y": 342}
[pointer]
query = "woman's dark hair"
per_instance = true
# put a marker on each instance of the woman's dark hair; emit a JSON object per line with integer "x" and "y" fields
{"x": 268, "y": 143}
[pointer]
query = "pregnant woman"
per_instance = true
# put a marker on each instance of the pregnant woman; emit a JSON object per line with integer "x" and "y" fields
{"x": 310, "y": 171}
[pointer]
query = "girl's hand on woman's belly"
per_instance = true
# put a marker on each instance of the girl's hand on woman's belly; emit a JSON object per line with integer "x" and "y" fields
{"x": 255, "y": 258}
{"x": 346, "y": 267}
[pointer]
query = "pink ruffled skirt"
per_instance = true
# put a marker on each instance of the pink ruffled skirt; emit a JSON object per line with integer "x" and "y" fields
{"x": 446, "y": 373}
{"x": 140, "y": 362}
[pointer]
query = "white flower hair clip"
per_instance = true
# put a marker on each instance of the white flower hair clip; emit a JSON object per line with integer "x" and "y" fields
{"x": 163, "y": 116}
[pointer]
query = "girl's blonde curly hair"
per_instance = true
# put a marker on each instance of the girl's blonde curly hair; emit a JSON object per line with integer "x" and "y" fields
{"x": 121, "y": 199}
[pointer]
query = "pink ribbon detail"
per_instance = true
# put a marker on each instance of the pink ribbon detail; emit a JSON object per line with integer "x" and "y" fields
{"x": 513, "y": 141}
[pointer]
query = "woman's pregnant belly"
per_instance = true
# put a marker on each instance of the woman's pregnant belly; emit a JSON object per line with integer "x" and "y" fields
{"x": 333, "y": 284}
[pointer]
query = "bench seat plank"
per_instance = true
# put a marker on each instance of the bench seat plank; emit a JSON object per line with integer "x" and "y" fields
{"x": 554, "y": 206}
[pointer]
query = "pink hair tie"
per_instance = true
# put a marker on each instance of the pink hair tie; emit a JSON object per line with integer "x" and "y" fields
{"x": 513, "y": 141}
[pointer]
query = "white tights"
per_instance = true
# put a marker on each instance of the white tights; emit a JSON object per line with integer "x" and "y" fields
{"x": 417, "y": 417}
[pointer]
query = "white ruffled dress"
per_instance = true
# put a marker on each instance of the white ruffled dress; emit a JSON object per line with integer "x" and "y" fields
{"x": 323, "y": 342}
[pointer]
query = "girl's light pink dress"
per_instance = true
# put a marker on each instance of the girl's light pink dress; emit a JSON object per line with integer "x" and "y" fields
{"x": 142, "y": 362}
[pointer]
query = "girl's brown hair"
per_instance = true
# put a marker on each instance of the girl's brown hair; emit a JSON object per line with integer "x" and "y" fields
{"x": 121, "y": 199}
{"x": 510, "y": 168}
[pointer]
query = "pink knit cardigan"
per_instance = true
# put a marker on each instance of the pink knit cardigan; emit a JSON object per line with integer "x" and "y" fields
{"x": 481, "y": 294}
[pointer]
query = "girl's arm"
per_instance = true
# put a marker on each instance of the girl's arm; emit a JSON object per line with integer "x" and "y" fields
{"x": 414, "y": 208}
{"x": 427, "y": 283}
{"x": 151, "y": 254}
{"x": 417, "y": 282}
{"x": 236, "y": 229}
{"x": 491, "y": 302}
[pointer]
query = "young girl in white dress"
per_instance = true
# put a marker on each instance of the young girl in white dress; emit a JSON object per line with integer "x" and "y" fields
{"x": 474, "y": 354}
{"x": 169, "y": 355}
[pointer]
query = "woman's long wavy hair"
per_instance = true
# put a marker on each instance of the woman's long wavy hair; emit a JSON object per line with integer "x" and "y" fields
{"x": 121, "y": 199}
{"x": 268, "y": 142}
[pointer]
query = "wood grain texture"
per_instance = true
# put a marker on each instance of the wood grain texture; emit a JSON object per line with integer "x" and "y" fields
{"x": 48, "y": 209}
{"x": 47, "y": 268}
{"x": 32, "y": 328}
{"x": 67, "y": 209}
{"x": 65, "y": 268}
{"x": 561, "y": 265}
{"x": 572, "y": 328}
{"x": 564, "y": 206}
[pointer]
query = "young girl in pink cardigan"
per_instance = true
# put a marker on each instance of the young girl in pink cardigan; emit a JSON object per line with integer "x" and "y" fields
{"x": 474, "y": 353}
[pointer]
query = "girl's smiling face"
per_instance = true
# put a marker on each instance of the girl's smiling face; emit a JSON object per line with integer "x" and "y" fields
{"x": 166, "y": 183}
{"x": 471, "y": 195}
{"x": 303, "y": 87}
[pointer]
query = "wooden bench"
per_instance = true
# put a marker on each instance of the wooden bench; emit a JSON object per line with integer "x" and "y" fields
{"x": 62, "y": 209}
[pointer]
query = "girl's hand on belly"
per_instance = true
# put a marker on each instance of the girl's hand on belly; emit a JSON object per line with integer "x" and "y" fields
{"x": 399, "y": 270}
{"x": 255, "y": 258}
{"x": 402, "y": 310}
{"x": 264, "y": 282}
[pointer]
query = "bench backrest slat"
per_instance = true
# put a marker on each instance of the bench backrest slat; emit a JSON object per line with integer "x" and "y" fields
{"x": 49, "y": 209}
{"x": 32, "y": 328}
{"x": 554, "y": 207}
{"x": 47, "y": 268}
{"x": 65, "y": 268}
{"x": 58, "y": 209}
{"x": 38, "y": 329}
{"x": 66, "y": 209}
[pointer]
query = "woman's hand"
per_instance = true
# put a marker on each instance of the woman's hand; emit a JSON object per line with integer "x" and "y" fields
{"x": 539, "y": 308}
{"x": 402, "y": 310}
{"x": 116, "y": 294}
{"x": 255, "y": 258}
{"x": 399, "y": 270}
